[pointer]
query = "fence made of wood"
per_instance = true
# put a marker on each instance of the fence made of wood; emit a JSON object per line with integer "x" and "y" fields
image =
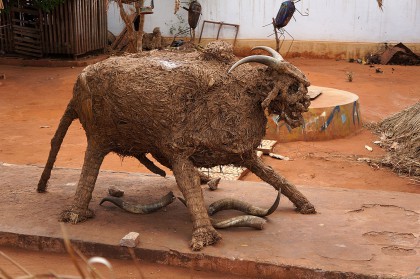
{"x": 6, "y": 35}
{"x": 73, "y": 28}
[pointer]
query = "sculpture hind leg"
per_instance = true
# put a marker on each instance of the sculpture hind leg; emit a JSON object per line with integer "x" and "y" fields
{"x": 267, "y": 174}
{"x": 79, "y": 211}
{"x": 188, "y": 180}
{"x": 65, "y": 122}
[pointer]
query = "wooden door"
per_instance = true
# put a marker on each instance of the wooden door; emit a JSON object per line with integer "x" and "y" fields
{"x": 26, "y": 28}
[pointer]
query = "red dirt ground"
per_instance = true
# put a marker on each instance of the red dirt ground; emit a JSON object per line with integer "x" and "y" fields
{"x": 33, "y": 99}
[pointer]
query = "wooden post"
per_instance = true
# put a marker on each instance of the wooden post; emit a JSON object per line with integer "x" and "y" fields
{"x": 139, "y": 5}
{"x": 277, "y": 36}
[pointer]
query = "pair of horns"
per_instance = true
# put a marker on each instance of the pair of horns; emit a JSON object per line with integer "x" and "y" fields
{"x": 270, "y": 61}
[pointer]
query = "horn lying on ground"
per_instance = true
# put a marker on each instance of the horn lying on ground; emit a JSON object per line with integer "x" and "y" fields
{"x": 138, "y": 208}
{"x": 234, "y": 204}
{"x": 253, "y": 219}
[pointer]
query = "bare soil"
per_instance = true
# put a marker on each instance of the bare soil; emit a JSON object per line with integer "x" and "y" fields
{"x": 32, "y": 100}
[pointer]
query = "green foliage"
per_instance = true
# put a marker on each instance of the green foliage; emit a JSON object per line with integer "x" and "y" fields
{"x": 48, "y": 5}
{"x": 178, "y": 27}
{"x": 45, "y": 5}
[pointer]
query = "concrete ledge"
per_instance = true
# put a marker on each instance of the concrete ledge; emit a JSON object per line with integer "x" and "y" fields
{"x": 356, "y": 234}
{"x": 197, "y": 261}
{"x": 314, "y": 49}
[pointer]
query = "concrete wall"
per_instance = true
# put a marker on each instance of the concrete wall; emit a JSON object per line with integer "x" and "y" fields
{"x": 332, "y": 21}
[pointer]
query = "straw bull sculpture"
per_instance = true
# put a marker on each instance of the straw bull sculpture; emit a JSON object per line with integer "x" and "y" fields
{"x": 187, "y": 110}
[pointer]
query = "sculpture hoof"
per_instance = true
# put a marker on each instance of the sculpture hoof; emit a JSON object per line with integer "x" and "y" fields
{"x": 75, "y": 216}
{"x": 307, "y": 208}
{"x": 204, "y": 237}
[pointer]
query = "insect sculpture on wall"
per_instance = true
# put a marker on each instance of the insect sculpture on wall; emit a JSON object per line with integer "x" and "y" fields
{"x": 285, "y": 13}
{"x": 194, "y": 13}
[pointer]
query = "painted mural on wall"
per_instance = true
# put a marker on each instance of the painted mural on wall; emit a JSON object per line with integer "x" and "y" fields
{"x": 321, "y": 123}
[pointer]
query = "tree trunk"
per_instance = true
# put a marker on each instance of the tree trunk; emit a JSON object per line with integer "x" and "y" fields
{"x": 131, "y": 34}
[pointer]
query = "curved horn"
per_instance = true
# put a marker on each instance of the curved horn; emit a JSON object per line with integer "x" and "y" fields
{"x": 239, "y": 221}
{"x": 138, "y": 208}
{"x": 228, "y": 203}
{"x": 263, "y": 59}
{"x": 272, "y": 52}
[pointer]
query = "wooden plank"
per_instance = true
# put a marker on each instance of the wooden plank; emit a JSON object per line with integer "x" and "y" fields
{"x": 98, "y": 25}
{"x": 72, "y": 37}
{"x": 29, "y": 29}
{"x": 95, "y": 26}
{"x": 50, "y": 33}
{"x": 62, "y": 30}
{"x": 81, "y": 26}
{"x": 25, "y": 11}
{"x": 41, "y": 30}
{"x": 100, "y": 22}
{"x": 119, "y": 39}
{"x": 90, "y": 33}
{"x": 78, "y": 30}
{"x": 45, "y": 34}
{"x": 28, "y": 53}
{"x": 86, "y": 26}
{"x": 104, "y": 24}
{"x": 36, "y": 48}
{"x": 28, "y": 40}
{"x": 4, "y": 44}
{"x": 67, "y": 15}
{"x": 45, "y": 25}
{"x": 24, "y": 33}
{"x": 29, "y": 45}
{"x": 26, "y": 22}
{"x": 56, "y": 30}
{"x": 27, "y": 49}
{"x": 59, "y": 25}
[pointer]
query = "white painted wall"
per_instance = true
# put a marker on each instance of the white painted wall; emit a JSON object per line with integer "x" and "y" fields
{"x": 328, "y": 20}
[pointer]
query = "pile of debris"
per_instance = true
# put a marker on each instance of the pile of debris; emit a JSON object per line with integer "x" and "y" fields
{"x": 396, "y": 55}
{"x": 400, "y": 136}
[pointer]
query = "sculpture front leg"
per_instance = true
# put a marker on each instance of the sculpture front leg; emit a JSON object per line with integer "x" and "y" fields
{"x": 188, "y": 180}
{"x": 79, "y": 210}
{"x": 267, "y": 174}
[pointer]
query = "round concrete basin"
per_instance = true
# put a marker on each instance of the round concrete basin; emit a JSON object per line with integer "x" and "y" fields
{"x": 332, "y": 114}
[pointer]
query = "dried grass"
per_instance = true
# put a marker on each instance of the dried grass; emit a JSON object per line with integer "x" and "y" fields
{"x": 400, "y": 136}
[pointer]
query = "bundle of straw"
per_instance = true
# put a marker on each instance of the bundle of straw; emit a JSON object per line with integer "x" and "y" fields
{"x": 400, "y": 135}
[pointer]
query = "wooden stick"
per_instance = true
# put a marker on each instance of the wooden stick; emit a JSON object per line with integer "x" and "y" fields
{"x": 277, "y": 36}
